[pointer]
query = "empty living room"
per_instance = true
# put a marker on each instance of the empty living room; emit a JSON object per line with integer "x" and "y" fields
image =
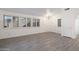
{"x": 39, "y": 29}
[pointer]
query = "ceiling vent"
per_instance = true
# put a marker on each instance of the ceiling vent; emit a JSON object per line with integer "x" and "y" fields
{"x": 66, "y": 9}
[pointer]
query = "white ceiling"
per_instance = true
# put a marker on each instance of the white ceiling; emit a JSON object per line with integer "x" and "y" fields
{"x": 31, "y": 11}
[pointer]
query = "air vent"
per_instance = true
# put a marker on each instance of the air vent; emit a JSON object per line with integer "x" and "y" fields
{"x": 66, "y": 9}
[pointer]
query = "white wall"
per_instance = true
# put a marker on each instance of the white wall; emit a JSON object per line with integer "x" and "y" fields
{"x": 13, "y": 32}
{"x": 47, "y": 25}
{"x": 77, "y": 26}
{"x": 52, "y": 22}
{"x": 68, "y": 23}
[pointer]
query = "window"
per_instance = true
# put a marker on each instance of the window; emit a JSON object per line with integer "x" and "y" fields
{"x": 28, "y": 22}
{"x": 59, "y": 22}
{"x": 34, "y": 22}
{"x": 22, "y": 22}
{"x": 38, "y": 22}
{"x": 15, "y": 21}
{"x": 7, "y": 21}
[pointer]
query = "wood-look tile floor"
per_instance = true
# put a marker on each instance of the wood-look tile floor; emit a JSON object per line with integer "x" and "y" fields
{"x": 40, "y": 42}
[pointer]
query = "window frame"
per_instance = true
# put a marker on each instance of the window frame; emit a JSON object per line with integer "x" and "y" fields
{"x": 29, "y": 18}
{"x": 5, "y": 20}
